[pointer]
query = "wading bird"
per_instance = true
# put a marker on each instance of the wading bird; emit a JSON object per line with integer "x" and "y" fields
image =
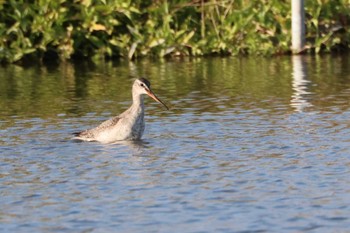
{"x": 127, "y": 126}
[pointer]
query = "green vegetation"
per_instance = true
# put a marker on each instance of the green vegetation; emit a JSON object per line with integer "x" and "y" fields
{"x": 65, "y": 29}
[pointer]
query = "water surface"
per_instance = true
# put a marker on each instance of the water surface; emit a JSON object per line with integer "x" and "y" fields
{"x": 249, "y": 145}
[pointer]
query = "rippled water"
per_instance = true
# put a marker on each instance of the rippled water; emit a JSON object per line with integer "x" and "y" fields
{"x": 249, "y": 145}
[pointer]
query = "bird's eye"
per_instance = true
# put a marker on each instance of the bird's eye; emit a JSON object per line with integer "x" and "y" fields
{"x": 142, "y": 85}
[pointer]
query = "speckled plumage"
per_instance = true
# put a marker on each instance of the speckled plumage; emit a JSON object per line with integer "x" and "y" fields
{"x": 129, "y": 125}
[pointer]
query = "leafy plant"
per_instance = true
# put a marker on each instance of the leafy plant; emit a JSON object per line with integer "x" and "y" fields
{"x": 46, "y": 29}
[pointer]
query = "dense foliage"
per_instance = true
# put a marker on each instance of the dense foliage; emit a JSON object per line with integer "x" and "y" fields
{"x": 65, "y": 29}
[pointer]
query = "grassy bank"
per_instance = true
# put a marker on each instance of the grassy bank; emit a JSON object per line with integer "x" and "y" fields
{"x": 66, "y": 29}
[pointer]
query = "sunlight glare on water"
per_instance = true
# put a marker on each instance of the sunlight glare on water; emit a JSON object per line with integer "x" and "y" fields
{"x": 249, "y": 145}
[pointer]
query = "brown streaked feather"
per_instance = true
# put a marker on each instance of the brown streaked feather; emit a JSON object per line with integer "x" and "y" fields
{"x": 106, "y": 124}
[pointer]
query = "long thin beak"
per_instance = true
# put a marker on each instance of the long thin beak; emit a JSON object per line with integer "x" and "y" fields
{"x": 153, "y": 96}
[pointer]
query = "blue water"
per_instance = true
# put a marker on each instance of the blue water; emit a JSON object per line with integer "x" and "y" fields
{"x": 243, "y": 149}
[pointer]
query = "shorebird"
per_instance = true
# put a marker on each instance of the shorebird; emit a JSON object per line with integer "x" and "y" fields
{"x": 127, "y": 126}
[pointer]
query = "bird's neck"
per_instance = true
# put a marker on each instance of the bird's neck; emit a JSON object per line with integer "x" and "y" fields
{"x": 137, "y": 101}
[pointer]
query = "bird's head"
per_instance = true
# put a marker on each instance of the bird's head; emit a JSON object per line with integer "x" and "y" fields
{"x": 143, "y": 87}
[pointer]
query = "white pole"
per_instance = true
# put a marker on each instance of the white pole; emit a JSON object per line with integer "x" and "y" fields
{"x": 298, "y": 26}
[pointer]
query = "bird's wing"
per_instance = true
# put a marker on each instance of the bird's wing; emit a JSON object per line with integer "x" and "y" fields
{"x": 90, "y": 133}
{"x": 108, "y": 123}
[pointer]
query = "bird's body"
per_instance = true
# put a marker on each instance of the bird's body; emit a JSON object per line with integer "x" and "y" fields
{"x": 127, "y": 126}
